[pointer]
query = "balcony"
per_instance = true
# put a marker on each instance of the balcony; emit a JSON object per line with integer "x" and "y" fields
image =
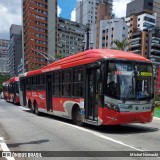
{"x": 135, "y": 39}
{"x": 156, "y": 38}
{"x": 135, "y": 45}
{"x": 155, "y": 50}
{"x": 136, "y": 51}
{"x": 155, "y": 44}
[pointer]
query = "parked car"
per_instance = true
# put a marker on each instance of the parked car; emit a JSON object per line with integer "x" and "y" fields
{"x": 1, "y": 95}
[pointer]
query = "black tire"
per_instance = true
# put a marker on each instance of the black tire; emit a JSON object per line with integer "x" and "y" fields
{"x": 14, "y": 101}
{"x": 77, "y": 118}
{"x": 31, "y": 107}
{"x": 36, "y": 109}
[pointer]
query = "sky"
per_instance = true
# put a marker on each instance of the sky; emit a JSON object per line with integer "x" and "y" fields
{"x": 10, "y": 12}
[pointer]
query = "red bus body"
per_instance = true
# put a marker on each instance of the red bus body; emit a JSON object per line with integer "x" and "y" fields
{"x": 11, "y": 90}
{"x": 95, "y": 107}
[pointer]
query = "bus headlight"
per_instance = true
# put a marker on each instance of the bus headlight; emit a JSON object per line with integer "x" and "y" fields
{"x": 112, "y": 106}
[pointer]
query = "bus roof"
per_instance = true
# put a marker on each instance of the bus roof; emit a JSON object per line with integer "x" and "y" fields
{"x": 86, "y": 57}
{"x": 13, "y": 79}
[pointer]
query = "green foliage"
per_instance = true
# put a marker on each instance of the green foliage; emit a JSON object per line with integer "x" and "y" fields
{"x": 3, "y": 78}
{"x": 59, "y": 56}
{"x": 35, "y": 67}
{"x": 120, "y": 45}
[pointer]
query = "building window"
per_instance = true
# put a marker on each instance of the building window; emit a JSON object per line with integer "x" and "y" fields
{"x": 150, "y": 4}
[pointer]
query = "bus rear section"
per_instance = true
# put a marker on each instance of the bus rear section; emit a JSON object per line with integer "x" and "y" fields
{"x": 5, "y": 90}
{"x": 11, "y": 92}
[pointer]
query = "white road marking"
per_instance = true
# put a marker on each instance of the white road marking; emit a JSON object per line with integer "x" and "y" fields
{"x": 27, "y": 109}
{"x": 104, "y": 137}
{"x": 5, "y": 148}
{"x": 156, "y": 118}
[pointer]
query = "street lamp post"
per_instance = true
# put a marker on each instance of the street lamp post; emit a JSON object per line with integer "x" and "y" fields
{"x": 86, "y": 43}
{"x": 87, "y": 34}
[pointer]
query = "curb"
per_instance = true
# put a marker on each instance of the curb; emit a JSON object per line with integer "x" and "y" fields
{"x": 156, "y": 117}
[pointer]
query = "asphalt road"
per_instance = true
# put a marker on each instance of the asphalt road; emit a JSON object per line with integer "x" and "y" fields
{"x": 24, "y": 131}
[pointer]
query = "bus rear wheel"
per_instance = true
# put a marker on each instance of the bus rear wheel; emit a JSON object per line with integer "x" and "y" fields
{"x": 77, "y": 118}
{"x": 36, "y": 109}
{"x": 31, "y": 107}
{"x": 14, "y": 100}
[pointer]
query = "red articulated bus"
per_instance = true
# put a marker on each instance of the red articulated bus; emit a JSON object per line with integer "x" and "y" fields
{"x": 11, "y": 90}
{"x": 99, "y": 87}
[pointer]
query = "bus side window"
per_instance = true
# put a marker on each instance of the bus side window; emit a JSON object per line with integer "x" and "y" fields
{"x": 66, "y": 82}
{"x": 56, "y": 83}
{"x": 78, "y": 82}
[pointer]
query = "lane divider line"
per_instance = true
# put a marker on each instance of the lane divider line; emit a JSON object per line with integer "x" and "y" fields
{"x": 5, "y": 148}
{"x": 105, "y": 137}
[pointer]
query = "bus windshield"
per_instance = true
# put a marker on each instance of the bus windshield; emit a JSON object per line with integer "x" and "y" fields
{"x": 129, "y": 80}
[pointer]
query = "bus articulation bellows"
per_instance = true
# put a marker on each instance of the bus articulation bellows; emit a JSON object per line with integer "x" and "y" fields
{"x": 11, "y": 90}
{"x": 99, "y": 87}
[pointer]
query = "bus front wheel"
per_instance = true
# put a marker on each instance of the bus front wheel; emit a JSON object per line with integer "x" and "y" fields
{"x": 77, "y": 118}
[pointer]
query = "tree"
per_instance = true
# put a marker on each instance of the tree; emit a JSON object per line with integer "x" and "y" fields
{"x": 35, "y": 67}
{"x": 119, "y": 45}
{"x": 3, "y": 78}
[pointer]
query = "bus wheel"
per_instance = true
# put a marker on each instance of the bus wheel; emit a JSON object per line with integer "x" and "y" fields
{"x": 14, "y": 100}
{"x": 36, "y": 109}
{"x": 77, "y": 118}
{"x": 31, "y": 107}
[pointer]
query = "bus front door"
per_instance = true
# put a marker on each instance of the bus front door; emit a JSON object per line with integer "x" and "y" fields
{"x": 49, "y": 92}
{"x": 91, "y": 108}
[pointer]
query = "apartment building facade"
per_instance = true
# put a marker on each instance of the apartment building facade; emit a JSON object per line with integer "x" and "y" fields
{"x": 15, "y": 49}
{"x": 110, "y": 30}
{"x": 140, "y": 18}
{"x": 87, "y": 10}
{"x": 39, "y": 32}
{"x": 3, "y": 56}
{"x": 141, "y": 6}
{"x": 70, "y": 37}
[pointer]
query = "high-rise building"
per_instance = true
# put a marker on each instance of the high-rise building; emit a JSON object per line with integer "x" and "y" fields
{"x": 86, "y": 10}
{"x": 154, "y": 45}
{"x": 3, "y": 56}
{"x": 104, "y": 10}
{"x": 138, "y": 7}
{"x": 14, "y": 49}
{"x": 140, "y": 19}
{"x": 156, "y": 9}
{"x": 141, "y": 6}
{"x": 39, "y": 32}
{"x": 70, "y": 37}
